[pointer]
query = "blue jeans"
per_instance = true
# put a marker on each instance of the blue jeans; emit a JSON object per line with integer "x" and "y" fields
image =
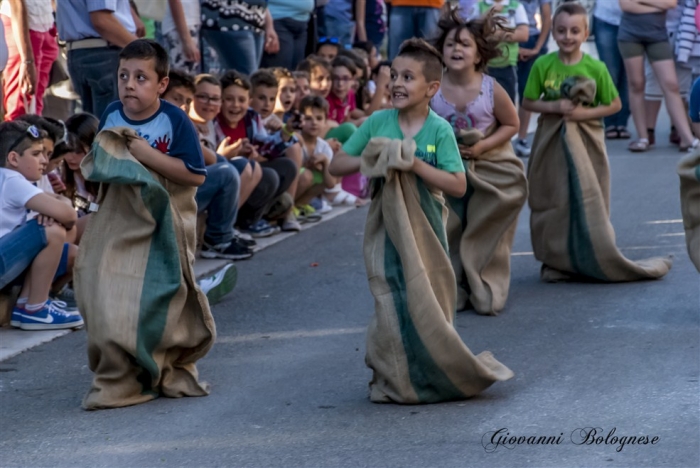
{"x": 292, "y": 36}
{"x": 343, "y": 30}
{"x": 524, "y": 67}
{"x": 605, "y": 41}
{"x": 94, "y": 76}
{"x": 506, "y": 77}
{"x": 219, "y": 196}
{"x": 19, "y": 248}
{"x": 236, "y": 50}
{"x": 407, "y": 22}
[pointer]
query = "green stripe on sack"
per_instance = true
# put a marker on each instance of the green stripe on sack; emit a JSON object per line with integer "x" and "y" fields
{"x": 581, "y": 252}
{"x": 428, "y": 381}
{"x": 433, "y": 211}
{"x": 163, "y": 273}
{"x": 459, "y": 205}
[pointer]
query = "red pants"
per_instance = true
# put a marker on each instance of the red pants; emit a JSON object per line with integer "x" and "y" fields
{"x": 45, "y": 50}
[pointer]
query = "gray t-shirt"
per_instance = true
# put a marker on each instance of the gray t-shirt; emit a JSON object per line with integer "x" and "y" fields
{"x": 645, "y": 28}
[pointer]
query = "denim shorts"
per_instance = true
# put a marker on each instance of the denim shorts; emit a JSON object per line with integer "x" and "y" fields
{"x": 19, "y": 248}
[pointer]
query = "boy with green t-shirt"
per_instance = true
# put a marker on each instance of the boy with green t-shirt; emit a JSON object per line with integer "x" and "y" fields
{"x": 415, "y": 78}
{"x": 503, "y": 68}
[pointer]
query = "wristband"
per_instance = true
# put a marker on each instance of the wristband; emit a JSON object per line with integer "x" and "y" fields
{"x": 286, "y": 131}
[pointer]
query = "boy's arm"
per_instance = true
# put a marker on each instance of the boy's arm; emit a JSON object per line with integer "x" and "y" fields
{"x": 54, "y": 206}
{"x": 167, "y": 166}
{"x": 560, "y": 106}
{"x": 453, "y": 184}
{"x": 343, "y": 164}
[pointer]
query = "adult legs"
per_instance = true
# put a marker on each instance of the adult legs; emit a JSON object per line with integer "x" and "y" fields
{"x": 401, "y": 20}
{"x": 292, "y": 38}
{"x": 605, "y": 40}
{"x": 236, "y": 50}
{"x": 634, "y": 66}
{"x": 427, "y": 26}
{"x": 45, "y": 54}
{"x": 665, "y": 72}
{"x": 94, "y": 76}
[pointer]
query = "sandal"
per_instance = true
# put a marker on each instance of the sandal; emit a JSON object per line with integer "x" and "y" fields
{"x": 639, "y": 146}
{"x": 623, "y": 134}
{"x": 612, "y": 133}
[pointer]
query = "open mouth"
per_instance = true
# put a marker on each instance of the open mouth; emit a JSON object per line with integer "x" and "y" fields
{"x": 456, "y": 57}
{"x": 399, "y": 95}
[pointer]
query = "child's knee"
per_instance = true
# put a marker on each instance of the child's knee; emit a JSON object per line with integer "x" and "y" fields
{"x": 72, "y": 256}
{"x": 55, "y": 234}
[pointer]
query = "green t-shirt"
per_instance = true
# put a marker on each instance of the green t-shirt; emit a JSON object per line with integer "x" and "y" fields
{"x": 548, "y": 73}
{"x": 435, "y": 142}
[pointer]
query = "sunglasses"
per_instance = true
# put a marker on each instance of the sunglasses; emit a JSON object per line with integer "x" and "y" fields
{"x": 328, "y": 40}
{"x": 32, "y": 132}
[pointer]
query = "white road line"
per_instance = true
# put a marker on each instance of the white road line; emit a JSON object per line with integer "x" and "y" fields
{"x": 665, "y": 221}
{"x": 290, "y": 334}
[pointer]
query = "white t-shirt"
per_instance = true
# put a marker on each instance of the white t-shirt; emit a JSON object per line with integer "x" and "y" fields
{"x": 322, "y": 147}
{"x": 15, "y": 192}
{"x": 190, "y": 8}
{"x": 44, "y": 184}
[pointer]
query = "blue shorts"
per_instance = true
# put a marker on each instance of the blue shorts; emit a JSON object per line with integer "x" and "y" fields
{"x": 19, "y": 248}
{"x": 238, "y": 162}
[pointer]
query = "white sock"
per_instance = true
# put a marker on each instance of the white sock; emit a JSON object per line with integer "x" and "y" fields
{"x": 35, "y": 307}
{"x": 22, "y": 301}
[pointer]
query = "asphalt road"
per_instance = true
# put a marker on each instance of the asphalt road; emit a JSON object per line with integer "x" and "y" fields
{"x": 289, "y": 384}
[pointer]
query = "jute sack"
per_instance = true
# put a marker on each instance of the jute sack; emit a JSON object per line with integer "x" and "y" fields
{"x": 689, "y": 171}
{"x": 147, "y": 321}
{"x": 569, "y": 182}
{"x": 415, "y": 352}
{"x": 481, "y": 227}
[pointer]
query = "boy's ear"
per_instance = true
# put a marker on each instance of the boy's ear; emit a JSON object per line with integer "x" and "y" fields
{"x": 162, "y": 86}
{"x": 433, "y": 87}
{"x": 12, "y": 159}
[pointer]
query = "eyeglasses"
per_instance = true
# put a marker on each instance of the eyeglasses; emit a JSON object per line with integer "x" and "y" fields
{"x": 205, "y": 98}
{"x": 32, "y": 132}
{"x": 328, "y": 40}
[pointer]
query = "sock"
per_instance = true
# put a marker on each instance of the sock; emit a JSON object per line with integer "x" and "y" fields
{"x": 21, "y": 302}
{"x": 35, "y": 307}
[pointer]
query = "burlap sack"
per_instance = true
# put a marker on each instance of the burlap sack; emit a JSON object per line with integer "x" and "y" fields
{"x": 481, "y": 228}
{"x": 689, "y": 171}
{"x": 569, "y": 180}
{"x": 147, "y": 321}
{"x": 415, "y": 352}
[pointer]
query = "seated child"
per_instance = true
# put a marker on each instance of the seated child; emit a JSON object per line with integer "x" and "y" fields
{"x": 219, "y": 193}
{"x": 237, "y": 127}
{"x": 422, "y": 360}
{"x": 327, "y": 48}
{"x": 314, "y": 177}
{"x": 33, "y": 253}
{"x": 81, "y": 129}
{"x": 341, "y": 99}
{"x": 503, "y": 68}
{"x": 286, "y": 94}
{"x": 302, "y": 81}
{"x": 54, "y": 134}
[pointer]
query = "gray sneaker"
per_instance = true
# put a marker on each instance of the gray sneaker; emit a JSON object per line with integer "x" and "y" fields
{"x": 522, "y": 149}
{"x": 66, "y": 296}
{"x": 290, "y": 224}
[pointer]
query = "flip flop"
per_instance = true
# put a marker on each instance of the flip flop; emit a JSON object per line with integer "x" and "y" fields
{"x": 623, "y": 134}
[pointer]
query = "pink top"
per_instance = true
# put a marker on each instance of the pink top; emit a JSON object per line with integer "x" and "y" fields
{"x": 478, "y": 113}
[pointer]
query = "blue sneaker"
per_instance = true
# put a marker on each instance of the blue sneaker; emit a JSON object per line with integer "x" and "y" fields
{"x": 261, "y": 229}
{"x": 50, "y": 317}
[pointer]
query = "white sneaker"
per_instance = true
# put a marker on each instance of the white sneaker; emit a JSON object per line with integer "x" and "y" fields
{"x": 522, "y": 149}
{"x": 220, "y": 284}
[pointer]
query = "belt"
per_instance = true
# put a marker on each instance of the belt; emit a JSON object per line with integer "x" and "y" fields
{"x": 90, "y": 43}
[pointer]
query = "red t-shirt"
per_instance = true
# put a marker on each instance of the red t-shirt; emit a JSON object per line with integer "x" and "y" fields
{"x": 234, "y": 134}
{"x": 339, "y": 110}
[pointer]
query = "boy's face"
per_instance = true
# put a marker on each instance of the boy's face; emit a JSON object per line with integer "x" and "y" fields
{"x": 303, "y": 90}
{"x": 207, "y": 101}
{"x": 181, "y": 97}
{"x": 236, "y": 101}
{"x": 313, "y": 122}
{"x": 31, "y": 163}
{"x": 342, "y": 82}
{"x": 263, "y": 100}
{"x": 320, "y": 82}
{"x": 140, "y": 88}
{"x": 286, "y": 94}
{"x": 409, "y": 87}
{"x": 570, "y": 31}
{"x": 328, "y": 52}
{"x": 460, "y": 53}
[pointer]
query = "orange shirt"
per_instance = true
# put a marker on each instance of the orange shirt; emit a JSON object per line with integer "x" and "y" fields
{"x": 417, "y": 3}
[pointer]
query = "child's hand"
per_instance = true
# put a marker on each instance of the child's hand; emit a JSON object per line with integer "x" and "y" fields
{"x": 231, "y": 150}
{"x": 471, "y": 152}
{"x": 577, "y": 115}
{"x": 526, "y": 54}
{"x": 334, "y": 144}
{"x": 383, "y": 77}
{"x": 274, "y": 124}
{"x": 138, "y": 147}
{"x": 318, "y": 161}
{"x": 564, "y": 107}
{"x": 45, "y": 221}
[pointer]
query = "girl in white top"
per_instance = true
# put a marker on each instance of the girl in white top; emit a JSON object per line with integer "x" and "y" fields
{"x": 468, "y": 98}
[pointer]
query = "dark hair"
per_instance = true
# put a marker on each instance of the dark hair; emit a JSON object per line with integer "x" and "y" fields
{"x": 234, "y": 78}
{"x": 367, "y": 46}
{"x": 146, "y": 49}
{"x": 427, "y": 55}
{"x": 311, "y": 62}
{"x": 54, "y": 128}
{"x": 15, "y": 138}
{"x": 343, "y": 61}
{"x": 329, "y": 42}
{"x": 571, "y": 8}
{"x": 301, "y": 74}
{"x": 179, "y": 79}
{"x": 206, "y": 78}
{"x": 263, "y": 77}
{"x": 84, "y": 127}
{"x": 484, "y": 30}
{"x": 313, "y": 102}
